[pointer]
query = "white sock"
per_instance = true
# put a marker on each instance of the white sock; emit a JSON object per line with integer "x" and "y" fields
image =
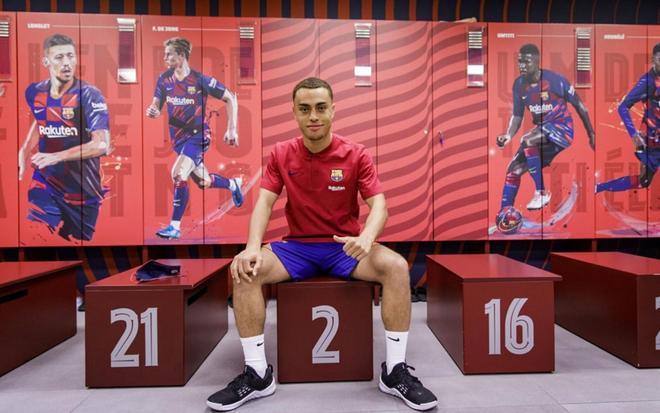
{"x": 395, "y": 348}
{"x": 176, "y": 224}
{"x": 255, "y": 355}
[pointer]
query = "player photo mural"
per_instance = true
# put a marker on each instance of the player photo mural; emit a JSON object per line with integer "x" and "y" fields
{"x": 644, "y": 98}
{"x": 545, "y": 95}
{"x": 622, "y": 165}
{"x": 67, "y": 135}
{"x": 183, "y": 90}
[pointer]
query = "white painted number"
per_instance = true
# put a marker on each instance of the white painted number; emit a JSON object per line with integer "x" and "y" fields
{"x": 320, "y": 353}
{"x": 657, "y": 336}
{"x": 118, "y": 356}
{"x": 513, "y": 324}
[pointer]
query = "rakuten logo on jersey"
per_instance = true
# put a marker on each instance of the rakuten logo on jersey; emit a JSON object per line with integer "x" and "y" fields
{"x": 99, "y": 106}
{"x": 179, "y": 101}
{"x": 538, "y": 109}
{"x": 57, "y": 131}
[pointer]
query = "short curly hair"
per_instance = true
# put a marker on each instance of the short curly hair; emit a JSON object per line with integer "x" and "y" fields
{"x": 312, "y": 83}
{"x": 181, "y": 46}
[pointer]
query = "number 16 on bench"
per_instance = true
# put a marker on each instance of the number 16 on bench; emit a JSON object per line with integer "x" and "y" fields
{"x": 491, "y": 313}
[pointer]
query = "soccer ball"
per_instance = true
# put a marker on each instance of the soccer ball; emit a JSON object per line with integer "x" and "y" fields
{"x": 509, "y": 220}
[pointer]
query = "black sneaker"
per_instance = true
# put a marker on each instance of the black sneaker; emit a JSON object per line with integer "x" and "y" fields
{"x": 402, "y": 384}
{"x": 246, "y": 386}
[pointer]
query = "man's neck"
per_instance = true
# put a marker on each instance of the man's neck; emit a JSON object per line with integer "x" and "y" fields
{"x": 58, "y": 88}
{"x": 182, "y": 72}
{"x": 319, "y": 145}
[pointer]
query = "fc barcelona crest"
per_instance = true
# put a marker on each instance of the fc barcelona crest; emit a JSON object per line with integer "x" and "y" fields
{"x": 545, "y": 96}
{"x": 192, "y": 90}
{"x": 337, "y": 175}
{"x": 68, "y": 113}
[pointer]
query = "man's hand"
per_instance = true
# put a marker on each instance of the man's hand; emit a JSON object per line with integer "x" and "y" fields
{"x": 355, "y": 247}
{"x": 231, "y": 137}
{"x": 502, "y": 140}
{"x": 41, "y": 160}
{"x": 153, "y": 111}
{"x": 246, "y": 265}
{"x": 639, "y": 142}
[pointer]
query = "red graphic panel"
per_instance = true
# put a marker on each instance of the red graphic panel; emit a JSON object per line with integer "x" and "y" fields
{"x": 159, "y": 153}
{"x": 289, "y": 53}
{"x": 8, "y": 134}
{"x": 56, "y": 205}
{"x": 120, "y": 219}
{"x": 621, "y": 60}
{"x": 354, "y": 96}
{"x": 569, "y": 177}
{"x": 404, "y": 128}
{"x": 654, "y": 187}
{"x": 504, "y": 42}
{"x": 221, "y": 50}
{"x": 460, "y": 127}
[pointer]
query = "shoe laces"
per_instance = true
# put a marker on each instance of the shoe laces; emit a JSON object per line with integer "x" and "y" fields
{"x": 242, "y": 380}
{"x": 403, "y": 375}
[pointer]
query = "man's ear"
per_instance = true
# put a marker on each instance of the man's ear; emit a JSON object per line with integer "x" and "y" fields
{"x": 44, "y": 61}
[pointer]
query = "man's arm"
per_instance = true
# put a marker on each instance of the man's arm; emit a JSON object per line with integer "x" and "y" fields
{"x": 249, "y": 260}
{"x": 99, "y": 145}
{"x": 358, "y": 247}
{"x": 637, "y": 93}
{"x": 583, "y": 112}
{"x": 514, "y": 125}
{"x": 231, "y": 104}
{"x": 31, "y": 140}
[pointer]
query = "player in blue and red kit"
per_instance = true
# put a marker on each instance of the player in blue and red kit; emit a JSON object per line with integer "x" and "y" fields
{"x": 646, "y": 141}
{"x": 545, "y": 94}
{"x": 71, "y": 129}
{"x": 185, "y": 91}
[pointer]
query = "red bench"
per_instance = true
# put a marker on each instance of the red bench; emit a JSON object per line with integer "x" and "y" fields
{"x": 158, "y": 332}
{"x": 37, "y": 308}
{"x": 491, "y": 313}
{"x": 612, "y": 300}
{"x": 324, "y": 330}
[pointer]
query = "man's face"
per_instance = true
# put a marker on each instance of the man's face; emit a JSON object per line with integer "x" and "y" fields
{"x": 656, "y": 62}
{"x": 528, "y": 64}
{"x": 61, "y": 62}
{"x": 314, "y": 111}
{"x": 172, "y": 59}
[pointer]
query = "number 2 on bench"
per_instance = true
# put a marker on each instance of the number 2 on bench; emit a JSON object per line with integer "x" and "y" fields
{"x": 511, "y": 324}
{"x": 320, "y": 353}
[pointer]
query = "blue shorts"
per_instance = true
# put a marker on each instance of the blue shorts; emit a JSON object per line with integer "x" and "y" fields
{"x": 558, "y": 133}
{"x": 650, "y": 158}
{"x": 305, "y": 260}
{"x": 78, "y": 221}
{"x": 193, "y": 147}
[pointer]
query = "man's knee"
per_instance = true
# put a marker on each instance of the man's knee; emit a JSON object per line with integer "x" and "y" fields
{"x": 393, "y": 267}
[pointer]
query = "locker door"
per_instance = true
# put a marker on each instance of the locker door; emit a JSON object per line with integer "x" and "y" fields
{"x": 621, "y": 60}
{"x": 54, "y": 187}
{"x": 504, "y": 43}
{"x": 9, "y": 98}
{"x": 460, "y": 127}
{"x": 569, "y": 177}
{"x": 403, "y": 71}
{"x": 227, "y": 43}
{"x": 159, "y": 151}
{"x": 290, "y": 53}
{"x": 110, "y": 61}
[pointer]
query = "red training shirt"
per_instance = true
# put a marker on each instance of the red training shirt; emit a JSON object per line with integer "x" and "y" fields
{"x": 321, "y": 187}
